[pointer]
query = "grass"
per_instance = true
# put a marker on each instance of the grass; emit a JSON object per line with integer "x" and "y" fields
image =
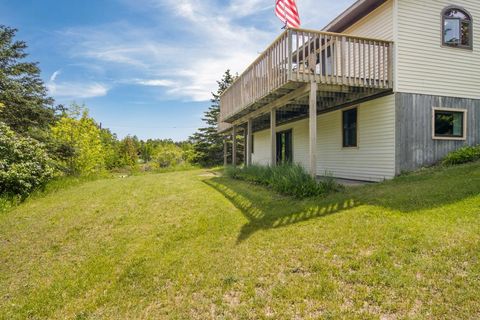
{"x": 287, "y": 179}
{"x": 191, "y": 245}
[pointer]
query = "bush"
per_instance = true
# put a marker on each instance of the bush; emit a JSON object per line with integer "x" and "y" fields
{"x": 167, "y": 155}
{"x": 462, "y": 155}
{"x": 286, "y": 179}
{"x": 24, "y": 164}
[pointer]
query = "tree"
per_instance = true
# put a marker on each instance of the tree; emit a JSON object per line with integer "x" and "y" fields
{"x": 129, "y": 151}
{"x": 111, "y": 149}
{"x": 26, "y": 108}
{"x": 207, "y": 143}
{"x": 82, "y": 134}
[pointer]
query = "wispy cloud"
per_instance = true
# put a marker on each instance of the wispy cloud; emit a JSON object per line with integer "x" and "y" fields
{"x": 77, "y": 90}
{"x": 156, "y": 83}
{"x": 54, "y": 75}
{"x": 193, "y": 43}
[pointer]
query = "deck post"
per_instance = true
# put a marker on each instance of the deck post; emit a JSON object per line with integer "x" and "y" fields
{"x": 225, "y": 152}
{"x": 313, "y": 129}
{"x": 248, "y": 142}
{"x": 273, "y": 137}
{"x": 234, "y": 145}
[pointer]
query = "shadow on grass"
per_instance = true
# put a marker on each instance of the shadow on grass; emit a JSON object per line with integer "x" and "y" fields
{"x": 266, "y": 210}
{"x": 430, "y": 189}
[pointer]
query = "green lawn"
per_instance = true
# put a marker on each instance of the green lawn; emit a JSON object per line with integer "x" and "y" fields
{"x": 189, "y": 245}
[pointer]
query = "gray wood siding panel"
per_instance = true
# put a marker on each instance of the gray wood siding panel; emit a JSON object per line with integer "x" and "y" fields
{"x": 415, "y": 146}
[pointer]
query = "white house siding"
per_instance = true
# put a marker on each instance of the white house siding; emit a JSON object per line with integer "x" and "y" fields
{"x": 373, "y": 160}
{"x": 424, "y": 66}
{"x": 378, "y": 24}
{"x": 262, "y": 150}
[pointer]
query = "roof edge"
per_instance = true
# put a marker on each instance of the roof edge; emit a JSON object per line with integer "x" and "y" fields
{"x": 353, "y": 14}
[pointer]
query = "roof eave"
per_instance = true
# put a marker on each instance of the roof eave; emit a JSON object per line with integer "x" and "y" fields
{"x": 353, "y": 14}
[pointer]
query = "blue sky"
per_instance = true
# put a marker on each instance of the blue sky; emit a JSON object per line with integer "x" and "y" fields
{"x": 147, "y": 67}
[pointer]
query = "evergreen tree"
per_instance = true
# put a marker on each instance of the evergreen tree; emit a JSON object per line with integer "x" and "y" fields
{"x": 26, "y": 108}
{"x": 207, "y": 143}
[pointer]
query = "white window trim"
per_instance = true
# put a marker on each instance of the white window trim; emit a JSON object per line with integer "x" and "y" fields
{"x": 465, "y": 114}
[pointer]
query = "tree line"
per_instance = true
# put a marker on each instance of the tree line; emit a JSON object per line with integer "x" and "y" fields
{"x": 41, "y": 140}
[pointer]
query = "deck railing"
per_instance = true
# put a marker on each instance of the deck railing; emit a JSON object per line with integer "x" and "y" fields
{"x": 299, "y": 55}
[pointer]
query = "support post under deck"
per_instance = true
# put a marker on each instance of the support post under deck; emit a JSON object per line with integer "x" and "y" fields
{"x": 225, "y": 152}
{"x": 234, "y": 146}
{"x": 313, "y": 129}
{"x": 273, "y": 137}
{"x": 248, "y": 142}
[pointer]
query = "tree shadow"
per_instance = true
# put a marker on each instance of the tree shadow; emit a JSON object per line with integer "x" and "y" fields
{"x": 412, "y": 193}
{"x": 273, "y": 211}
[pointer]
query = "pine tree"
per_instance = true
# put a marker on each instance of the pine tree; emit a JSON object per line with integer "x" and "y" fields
{"x": 26, "y": 108}
{"x": 207, "y": 143}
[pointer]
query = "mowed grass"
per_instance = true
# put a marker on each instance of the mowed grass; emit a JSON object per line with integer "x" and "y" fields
{"x": 190, "y": 245}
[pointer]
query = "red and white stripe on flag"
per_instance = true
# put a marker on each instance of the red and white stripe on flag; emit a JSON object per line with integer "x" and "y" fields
{"x": 287, "y": 11}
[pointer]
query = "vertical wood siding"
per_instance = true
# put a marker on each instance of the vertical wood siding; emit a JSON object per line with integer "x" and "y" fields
{"x": 373, "y": 160}
{"x": 424, "y": 66}
{"x": 414, "y": 143}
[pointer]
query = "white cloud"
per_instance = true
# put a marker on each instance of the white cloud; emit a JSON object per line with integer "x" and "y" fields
{"x": 156, "y": 83}
{"x": 189, "y": 53}
{"x": 55, "y": 75}
{"x": 77, "y": 90}
{"x": 243, "y": 8}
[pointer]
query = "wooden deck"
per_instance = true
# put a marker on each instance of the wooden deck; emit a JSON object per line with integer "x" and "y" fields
{"x": 345, "y": 68}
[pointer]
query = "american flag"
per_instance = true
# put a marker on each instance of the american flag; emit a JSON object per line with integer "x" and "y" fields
{"x": 287, "y": 11}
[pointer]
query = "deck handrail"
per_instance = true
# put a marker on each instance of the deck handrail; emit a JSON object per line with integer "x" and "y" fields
{"x": 302, "y": 55}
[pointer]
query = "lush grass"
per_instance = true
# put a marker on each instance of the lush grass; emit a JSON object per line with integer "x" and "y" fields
{"x": 287, "y": 179}
{"x": 189, "y": 245}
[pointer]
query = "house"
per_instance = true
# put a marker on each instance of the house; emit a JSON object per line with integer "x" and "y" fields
{"x": 388, "y": 86}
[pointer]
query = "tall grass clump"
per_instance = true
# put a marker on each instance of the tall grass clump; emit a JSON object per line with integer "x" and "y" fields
{"x": 288, "y": 179}
{"x": 462, "y": 155}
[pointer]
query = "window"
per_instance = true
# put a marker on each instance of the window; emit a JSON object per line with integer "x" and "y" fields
{"x": 349, "y": 128}
{"x": 449, "y": 124}
{"x": 284, "y": 147}
{"x": 457, "y": 28}
{"x": 253, "y": 144}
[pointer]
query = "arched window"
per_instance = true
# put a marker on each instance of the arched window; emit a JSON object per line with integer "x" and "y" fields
{"x": 457, "y": 28}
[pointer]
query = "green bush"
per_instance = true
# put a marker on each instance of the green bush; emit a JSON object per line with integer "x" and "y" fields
{"x": 24, "y": 164}
{"x": 286, "y": 179}
{"x": 167, "y": 155}
{"x": 462, "y": 155}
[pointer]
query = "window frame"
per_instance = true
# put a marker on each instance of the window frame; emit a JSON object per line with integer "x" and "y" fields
{"x": 286, "y": 131}
{"x": 252, "y": 142}
{"x": 464, "y": 133}
{"x": 443, "y": 19}
{"x": 356, "y": 129}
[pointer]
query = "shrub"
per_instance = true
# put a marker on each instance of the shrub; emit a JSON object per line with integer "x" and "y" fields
{"x": 24, "y": 164}
{"x": 286, "y": 179}
{"x": 167, "y": 155}
{"x": 462, "y": 155}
